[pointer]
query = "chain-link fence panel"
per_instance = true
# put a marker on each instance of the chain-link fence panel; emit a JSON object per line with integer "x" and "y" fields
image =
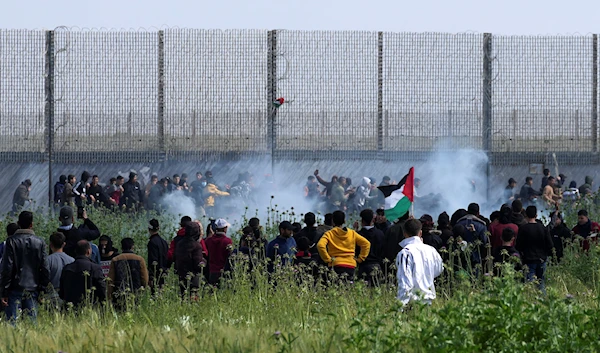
{"x": 542, "y": 95}
{"x": 215, "y": 91}
{"x": 432, "y": 91}
{"x": 22, "y": 95}
{"x": 106, "y": 95}
{"x": 330, "y": 81}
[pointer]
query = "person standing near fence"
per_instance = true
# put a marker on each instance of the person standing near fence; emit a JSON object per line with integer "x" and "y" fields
{"x": 21, "y": 195}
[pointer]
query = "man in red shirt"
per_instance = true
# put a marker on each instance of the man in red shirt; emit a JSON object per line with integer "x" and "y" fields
{"x": 219, "y": 247}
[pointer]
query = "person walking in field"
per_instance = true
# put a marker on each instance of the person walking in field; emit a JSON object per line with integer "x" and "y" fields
{"x": 128, "y": 273}
{"x": 189, "y": 260}
{"x": 219, "y": 247}
{"x": 82, "y": 281}
{"x": 418, "y": 265}
{"x": 337, "y": 247}
{"x": 535, "y": 245}
{"x": 158, "y": 264}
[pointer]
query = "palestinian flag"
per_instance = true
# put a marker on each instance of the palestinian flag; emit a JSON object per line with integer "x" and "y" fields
{"x": 278, "y": 102}
{"x": 399, "y": 198}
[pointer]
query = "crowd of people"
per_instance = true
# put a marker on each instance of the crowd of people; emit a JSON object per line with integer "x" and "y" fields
{"x": 80, "y": 258}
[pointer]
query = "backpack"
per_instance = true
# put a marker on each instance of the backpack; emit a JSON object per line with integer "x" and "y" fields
{"x": 58, "y": 192}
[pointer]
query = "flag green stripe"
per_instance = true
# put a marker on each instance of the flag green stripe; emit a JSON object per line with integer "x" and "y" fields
{"x": 399, "y": 210}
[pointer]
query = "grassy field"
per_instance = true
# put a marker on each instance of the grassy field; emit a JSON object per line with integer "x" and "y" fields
{"x": 486, "y": 314}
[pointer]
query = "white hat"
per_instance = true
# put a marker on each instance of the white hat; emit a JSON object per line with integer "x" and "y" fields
{"x": 221, "y": 223}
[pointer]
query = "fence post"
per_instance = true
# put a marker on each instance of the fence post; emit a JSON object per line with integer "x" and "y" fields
{"x": 272, "y": 95}
{"x": 380, "y": 94}
{"x": 595, "y": 94}
{"x": 487, "y": 105}
{"x": 49, "y": 109}
{"x": 161, "y": 92}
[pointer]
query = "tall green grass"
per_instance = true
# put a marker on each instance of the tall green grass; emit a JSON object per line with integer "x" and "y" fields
{"x": 249, "y": 313}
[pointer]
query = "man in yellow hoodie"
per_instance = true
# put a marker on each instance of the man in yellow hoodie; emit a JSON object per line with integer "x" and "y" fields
{"x": 337, "y": 247}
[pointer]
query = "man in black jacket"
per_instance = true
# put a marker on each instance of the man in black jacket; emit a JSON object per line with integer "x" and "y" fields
{"x": 158, "y": 265}
{"x": 535, "y": 245}
{"x": 24, "y": 270}
{"x": 370, "y": 269}
{"x": 87, "y": 231}
{"x": 133, "y": 195}
{"x": 82, "y": 276}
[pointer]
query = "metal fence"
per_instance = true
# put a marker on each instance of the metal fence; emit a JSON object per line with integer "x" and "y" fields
{"x": 186, "y": 94}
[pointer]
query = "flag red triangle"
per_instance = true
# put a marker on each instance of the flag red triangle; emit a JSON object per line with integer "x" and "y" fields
{"x": 409, "y": 185}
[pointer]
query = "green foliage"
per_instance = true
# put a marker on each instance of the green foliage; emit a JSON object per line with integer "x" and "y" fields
{"x": 291, "y": 313}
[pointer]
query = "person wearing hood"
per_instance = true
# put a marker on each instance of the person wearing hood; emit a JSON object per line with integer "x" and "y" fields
{"x": 59, "y": 189}
{"x": 80, "y": 190}
{"x": 185, "y": 220}
{"x": 337, "y": 247}
{"x": 585, "y": 228}
{"x": 361, "y": 195}
{"x": 107, "y": 253}
{"x": 586, "y": 189}
{"x": 475, "y": 230}
{"x": 189, "y": 260}
{"x": 430, "y": 235}
{"x": 517, "y": 213}
{"x": 21, "y": 196}
{"x": 133, "y": 194}
{"x": 87, "y": 231}
{"x": 497, "y": 229}
{"x": 559, "y": 233}
{"x": 418, "y": 265}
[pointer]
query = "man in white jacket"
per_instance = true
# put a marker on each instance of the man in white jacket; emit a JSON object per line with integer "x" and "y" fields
{"x": 418, "y": 265}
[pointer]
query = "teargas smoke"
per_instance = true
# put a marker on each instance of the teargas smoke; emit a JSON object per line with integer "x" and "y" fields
{"x": 451, "y": 180}
{"x": 178, "y": 204}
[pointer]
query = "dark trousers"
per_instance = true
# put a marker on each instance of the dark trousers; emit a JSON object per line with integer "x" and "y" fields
{"x": 370, "y": 273}
{"x": 189, "y": 284}
{"x": 345, "y": 273}
{"x": 213, "y": 278}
